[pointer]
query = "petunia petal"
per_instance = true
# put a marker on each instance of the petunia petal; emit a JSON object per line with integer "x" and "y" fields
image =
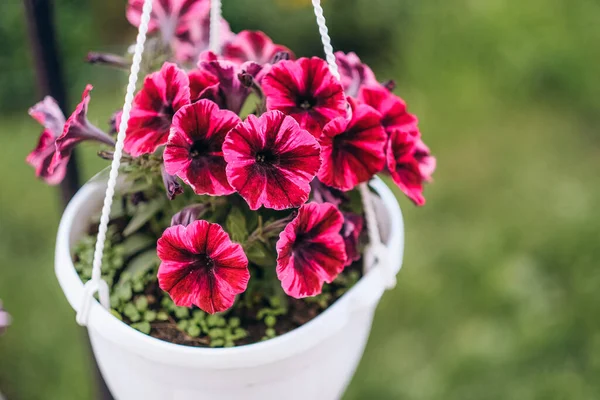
{"x": 311, "y": 250}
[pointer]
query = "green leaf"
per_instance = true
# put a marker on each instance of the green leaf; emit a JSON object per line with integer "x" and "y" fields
{"x": 236, "y": 225}
{"x": 260, "y": 255}
{"x": 143, "y": 327}
{"x": 144, "y": 213}
{"x": 136, "y": 243}
{"x": 142, "y": 264}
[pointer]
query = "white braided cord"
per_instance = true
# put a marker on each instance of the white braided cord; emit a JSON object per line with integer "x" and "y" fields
{"x": 96, "y": 284}
{"x": 325, "y": 39}
{"x": 214, "y": 39}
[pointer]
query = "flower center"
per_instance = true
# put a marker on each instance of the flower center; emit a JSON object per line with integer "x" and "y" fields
{"x": 198, "y": 149}
{"x": 266, "y": 157}
{"x": 306, "y": 102}
{"x": 167, "y": 109}
{"x": 203, "y": 261}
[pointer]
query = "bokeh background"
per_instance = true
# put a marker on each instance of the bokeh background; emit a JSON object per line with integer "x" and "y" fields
{"x": 498, "y": 297}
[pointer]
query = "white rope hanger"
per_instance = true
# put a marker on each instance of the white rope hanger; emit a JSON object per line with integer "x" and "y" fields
{"x": 96, "y": 284}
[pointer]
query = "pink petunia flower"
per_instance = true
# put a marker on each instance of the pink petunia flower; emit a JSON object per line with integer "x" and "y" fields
{"x": 164, "y": 92}
{"x": 271, "y": 161}
{"x": 194, "y": 151}
{"x": 5, "y": 319}
{"x": 354, "y": 74}
{"x": 193, "y": 39}
{"x": 77, "y": 129}
{"x": 391, "y": 107}
{"x": 253, "y": 46}
{"x": 427, "y": 162}
{"x": 351, "y": 230}
{"x": 201, "y": 266}
{"x": 168, "y": 16}
{"x": 200, "y": 81}
{"x": 404, "y": 167}
{"x": 229, "y": 92}
{"x": 305, "y": 90}
{"x": 352, "y": 151}
{"x": 311, "y": 250}
{"x": 48, "y": 114}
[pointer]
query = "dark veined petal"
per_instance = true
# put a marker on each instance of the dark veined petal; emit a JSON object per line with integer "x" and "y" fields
{"x": 271, "y": 161}
{"x": 201, "y": 266}
{"x": 311, "y": 250}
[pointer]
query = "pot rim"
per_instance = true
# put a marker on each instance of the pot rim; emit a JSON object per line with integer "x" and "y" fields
{"x": 365, "y": 294}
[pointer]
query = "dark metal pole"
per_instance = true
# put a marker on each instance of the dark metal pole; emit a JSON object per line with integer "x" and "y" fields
{"x": 40, "y": 22}
{"x": 49, "y": 74}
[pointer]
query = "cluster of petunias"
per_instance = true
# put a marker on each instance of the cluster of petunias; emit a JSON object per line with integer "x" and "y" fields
{"x": 308, "y": 139}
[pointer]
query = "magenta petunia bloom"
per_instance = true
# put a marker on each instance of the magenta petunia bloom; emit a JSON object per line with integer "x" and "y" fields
{"x": 48, "y": 114}
{"x": 311, "y": 250}
{"x": 253, "y": 46}
{"x": 271, "y": 161}
{"x": 200, "y": 81}
{"x": 427, "y": 162}
{"x": 194, "y": 151}
{"x": 403, "y": 166}
{"x": 164, "y": 92}
{"x": 229, "y": 92}
{"x": 77, "y": 129}
{"x": 193, "y": 38}
{"x": 305, "y": 90}
{"x": 392, "y": 108}
{"x": 201, "y": 266}
{"x": 4, "y": 319}
{"x": 351, "y": 230}
{"x": 354, "y": 74}
{"x": 352, "y": 151}
{"x": 168, "y": 16}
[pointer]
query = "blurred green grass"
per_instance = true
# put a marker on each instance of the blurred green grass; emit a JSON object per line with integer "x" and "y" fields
{"x": 498, "y": 295}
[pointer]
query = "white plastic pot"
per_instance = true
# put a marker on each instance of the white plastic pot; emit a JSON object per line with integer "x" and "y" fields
{"x": 315, "y": 361}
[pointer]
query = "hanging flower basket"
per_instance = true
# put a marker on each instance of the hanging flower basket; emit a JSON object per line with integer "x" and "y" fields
{"x": 240, "y": 242}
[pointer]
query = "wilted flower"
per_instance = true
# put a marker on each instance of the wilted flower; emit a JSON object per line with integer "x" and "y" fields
{"x": 229, "y": 92}
{"x": 60, "y": 136}
{"x": 190, "y": 214}
{"x": 311, "y": 250}
{"x": 351, "y": 230}
{"x": 172, "y": 185}
{"x": 77, "y": 129}
{"x": 271, "y": 161}
{"x": 306, "y": 90}
{"x": 48, "y": 113}
{"x": 201, "y": 266}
